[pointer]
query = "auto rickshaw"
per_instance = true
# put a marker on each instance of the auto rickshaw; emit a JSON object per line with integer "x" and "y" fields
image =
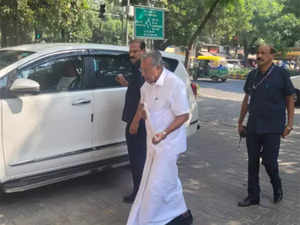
{"x": 213, "y": 67}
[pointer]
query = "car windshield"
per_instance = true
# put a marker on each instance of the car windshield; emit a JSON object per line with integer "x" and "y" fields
{"x": 8, "y": 57}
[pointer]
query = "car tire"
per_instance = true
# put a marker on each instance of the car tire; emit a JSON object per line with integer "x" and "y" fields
{"x": 215, "y": 78}
{"x": 223, "y": 79}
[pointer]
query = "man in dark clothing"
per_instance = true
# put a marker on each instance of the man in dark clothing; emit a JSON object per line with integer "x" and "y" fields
{"x": 136, "y": 143}
{"x": 269, "y": 92}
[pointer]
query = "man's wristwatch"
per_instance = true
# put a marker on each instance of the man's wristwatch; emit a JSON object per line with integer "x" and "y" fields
{"x": 289, "y": 128}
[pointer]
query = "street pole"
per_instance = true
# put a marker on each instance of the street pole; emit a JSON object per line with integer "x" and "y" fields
{"x": 127, "y": 12}
{"x": 122, "y": 28}
{"x": 150, "y": 41}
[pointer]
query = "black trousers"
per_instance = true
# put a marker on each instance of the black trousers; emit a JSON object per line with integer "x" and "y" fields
{"x": 267, "y": 147}
{"x": 136, "y": 145}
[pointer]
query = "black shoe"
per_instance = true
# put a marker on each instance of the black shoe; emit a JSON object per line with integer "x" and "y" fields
{"x": 248, "y": 201}
{"x": 184, "y": 219}
{"x": 129, "y": 198}
{"x": 278, "y": 196}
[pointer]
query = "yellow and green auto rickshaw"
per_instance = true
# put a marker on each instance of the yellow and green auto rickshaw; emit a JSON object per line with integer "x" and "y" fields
{"x": 213, "y": 67}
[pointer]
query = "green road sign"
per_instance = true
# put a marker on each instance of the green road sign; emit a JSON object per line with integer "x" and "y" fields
{"x": 149, "y": 23}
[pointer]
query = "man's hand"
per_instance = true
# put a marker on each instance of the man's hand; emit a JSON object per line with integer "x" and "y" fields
{"x": 121, "y": 80}
{"x": 241, "y": 128}
{"x": 133, "y": 129}
{"x": 286, "y": 132}
{"x": 159, "y": 137}
{"x": 142, "y": 111}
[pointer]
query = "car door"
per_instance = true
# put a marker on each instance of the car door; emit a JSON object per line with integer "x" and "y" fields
{"x": 109, "y": 97}
{"x": 48, "y": 130}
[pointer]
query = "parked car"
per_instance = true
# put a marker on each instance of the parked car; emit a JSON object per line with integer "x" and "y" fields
{"x": 50, "y": 134}
{"x": 296, "y": 83}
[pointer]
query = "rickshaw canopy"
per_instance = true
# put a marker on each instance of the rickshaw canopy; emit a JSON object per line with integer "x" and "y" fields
{"x": 211, "y": 57}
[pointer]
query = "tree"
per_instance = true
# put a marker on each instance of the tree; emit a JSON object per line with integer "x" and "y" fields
{"x": 15, "y": 20}
{"x": 186, "y": 20}
{"x": 64, "y": 20}
{"x": 61, "y": 20}
{"x": 234, "y": 26}
{"x": 245, "y": 23}
{"x": 201, "y": 27}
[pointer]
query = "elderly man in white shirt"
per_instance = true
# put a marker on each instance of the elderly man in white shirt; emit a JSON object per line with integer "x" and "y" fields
{"x": 68, "y": 78}
{"x": 164, "y": 105}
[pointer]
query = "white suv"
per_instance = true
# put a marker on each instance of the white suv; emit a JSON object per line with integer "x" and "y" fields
{"x": 60, "y": 109}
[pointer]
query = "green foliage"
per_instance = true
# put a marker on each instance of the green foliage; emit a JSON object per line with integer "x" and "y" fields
{"x": 61, "y": 20}
{"x": 251, "y": 21}
{"x": 134, "y": 2}
{"x": 240, "y": 71}
{"x": 26, "y": 21}
{"x": 182, "y": 19}
{"x": 229, "y": 22}
{"x": 292, "y": 6}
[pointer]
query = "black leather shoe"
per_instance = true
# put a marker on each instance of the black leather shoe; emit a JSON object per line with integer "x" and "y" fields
{"x": 129, "y": 198}
{"x": 184, "y": 219}
{"x": 248, "y": 202}
{"x": 278, "y": 197}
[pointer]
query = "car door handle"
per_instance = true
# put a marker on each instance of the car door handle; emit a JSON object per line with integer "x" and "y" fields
{"x": 81, "y": 102}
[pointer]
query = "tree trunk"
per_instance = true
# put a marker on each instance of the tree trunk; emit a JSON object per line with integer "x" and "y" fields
{"x": 63, "y": 35}
{"x": 14, "y": 34}
{"x": 198, "y": 31}
{"x": 246, "y": 51}
{"x": 3, "y": 33}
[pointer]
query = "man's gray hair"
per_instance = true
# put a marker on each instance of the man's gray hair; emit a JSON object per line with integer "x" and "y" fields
{"x": 155, "y": 56}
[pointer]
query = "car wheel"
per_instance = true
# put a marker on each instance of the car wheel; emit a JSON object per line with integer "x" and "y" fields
{"x": 214, "y": 78}
{"x": 223, "y": 79}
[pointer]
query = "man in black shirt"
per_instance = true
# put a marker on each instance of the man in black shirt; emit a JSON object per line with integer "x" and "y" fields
{"x": 268, "y": 94}
{"x": 136, "y": 143}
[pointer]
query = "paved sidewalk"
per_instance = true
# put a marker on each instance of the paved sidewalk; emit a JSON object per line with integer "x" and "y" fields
{"x": 214, "y": 174}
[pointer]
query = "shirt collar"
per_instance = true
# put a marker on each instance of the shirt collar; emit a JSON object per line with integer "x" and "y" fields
{"x": 270, "y": 67}
{"x": 161, "y": 79}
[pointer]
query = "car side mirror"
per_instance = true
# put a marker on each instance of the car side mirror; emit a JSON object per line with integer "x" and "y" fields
{"x": 25, "y": 86}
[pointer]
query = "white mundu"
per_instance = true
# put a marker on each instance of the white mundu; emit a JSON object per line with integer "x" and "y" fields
{"x": 160, "y": 197}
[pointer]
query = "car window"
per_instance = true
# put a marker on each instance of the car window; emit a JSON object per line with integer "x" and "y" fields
{"x": 8, "y": 57}
{"x": 63, "y": 74}
{"x": 3, "y": 82}
{"x": 107, "y": 67}
{"x": 170, "y": 64}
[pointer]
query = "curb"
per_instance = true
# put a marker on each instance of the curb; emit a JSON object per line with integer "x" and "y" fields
{"x": 238, "y": 76}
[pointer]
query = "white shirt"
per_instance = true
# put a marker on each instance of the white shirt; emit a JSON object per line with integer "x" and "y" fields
{"x": 64, "y": 83}
{"x": 165, "y": 99}
{"x": 160, "y": 196}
